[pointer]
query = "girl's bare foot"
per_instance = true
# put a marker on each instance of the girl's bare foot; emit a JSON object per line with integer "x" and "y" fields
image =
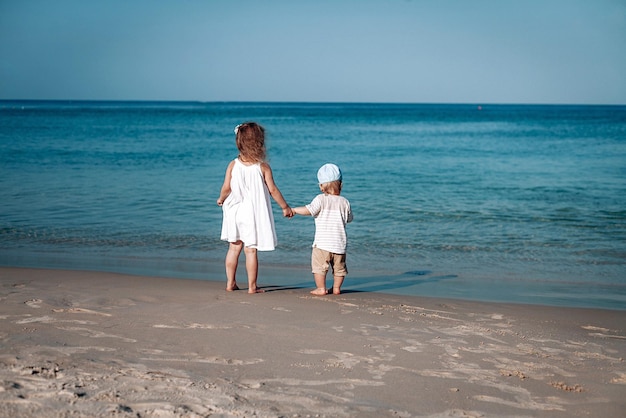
{"x": 257, "y": 290}
{"x": 336, "y": 291}
{"x": 319, "y": 292}
{"x": 235, "y": 287}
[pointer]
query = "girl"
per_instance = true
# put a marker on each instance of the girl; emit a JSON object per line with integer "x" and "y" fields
{"x": 248, "y": 222}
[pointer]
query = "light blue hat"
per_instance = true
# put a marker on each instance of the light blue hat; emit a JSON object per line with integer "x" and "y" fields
{"x": 327, "y": 173}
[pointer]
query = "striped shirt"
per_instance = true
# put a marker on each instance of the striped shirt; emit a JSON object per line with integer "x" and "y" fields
{"x": 331, "y": 214}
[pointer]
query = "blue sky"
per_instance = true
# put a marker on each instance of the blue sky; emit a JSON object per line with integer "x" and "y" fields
{"x": 419, "y": 51}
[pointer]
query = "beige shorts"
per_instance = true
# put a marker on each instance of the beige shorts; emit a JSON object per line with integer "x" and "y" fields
{"x": 322, "y": 261}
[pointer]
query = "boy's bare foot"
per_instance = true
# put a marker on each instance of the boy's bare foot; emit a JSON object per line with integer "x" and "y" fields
{"x": 257, "y": 290}
{"x": 235, "y": 287}
{"x": 336, "y": 291}
{"x": 319, "y": 292}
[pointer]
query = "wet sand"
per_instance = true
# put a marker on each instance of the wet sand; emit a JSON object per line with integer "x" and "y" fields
{"x": 94, "y": 344}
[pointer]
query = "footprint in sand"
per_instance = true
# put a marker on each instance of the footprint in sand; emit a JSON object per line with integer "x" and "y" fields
{"x": 86, "y": 332}
{"x": 34, "y": 303}
{"x": 192, "y": 326}
{"x": 43, "y": 319}
{"x": 82, "y": 311}
{"x": 621, "y": 379}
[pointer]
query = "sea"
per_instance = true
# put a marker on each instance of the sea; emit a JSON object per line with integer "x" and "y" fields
{"x": 495, "y": 203}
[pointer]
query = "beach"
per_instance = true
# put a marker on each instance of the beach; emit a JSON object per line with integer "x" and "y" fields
{"x": 90, "y": 344}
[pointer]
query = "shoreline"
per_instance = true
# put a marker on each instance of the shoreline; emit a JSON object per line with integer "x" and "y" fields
{"x": 416, "y": 283}
{"x": 99, "y": 343}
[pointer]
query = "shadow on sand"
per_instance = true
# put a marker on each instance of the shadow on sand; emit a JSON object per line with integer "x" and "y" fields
{"x": 388, "y": 283}
{"x": 372, "y": 283}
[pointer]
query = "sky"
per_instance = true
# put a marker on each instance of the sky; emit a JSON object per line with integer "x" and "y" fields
{"x": 388, "y": 51}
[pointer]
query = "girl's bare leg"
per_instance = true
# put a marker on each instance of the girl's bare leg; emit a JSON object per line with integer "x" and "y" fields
{"x": 232, "y": 258}
{"x": 252, "y": 267}
{"x": 337, "y": 284}
{"x": 320, "y": 284}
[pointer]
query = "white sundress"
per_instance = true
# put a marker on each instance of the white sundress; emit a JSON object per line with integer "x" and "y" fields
{"x": 247, "y": 211}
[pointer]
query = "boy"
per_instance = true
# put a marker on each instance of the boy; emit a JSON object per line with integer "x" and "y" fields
{"x": 331, "y": 212}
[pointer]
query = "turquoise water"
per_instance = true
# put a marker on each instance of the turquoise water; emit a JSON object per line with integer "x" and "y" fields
{"x": 495, "y": 203}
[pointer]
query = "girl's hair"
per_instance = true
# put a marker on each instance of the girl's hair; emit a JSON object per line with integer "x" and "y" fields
{"x": 332, "y": 187}
{"x": 250, "y": 140}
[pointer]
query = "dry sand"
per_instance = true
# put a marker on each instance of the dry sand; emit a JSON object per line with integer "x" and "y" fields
{"x": 86, "y": 344}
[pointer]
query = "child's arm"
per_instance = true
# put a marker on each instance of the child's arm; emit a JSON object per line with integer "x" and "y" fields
{"x": 273, "y": 189}
{"x": 302, "y": 210}
{"x": 225, "y": 191}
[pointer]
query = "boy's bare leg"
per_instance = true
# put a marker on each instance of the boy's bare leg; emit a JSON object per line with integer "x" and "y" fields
{"x": 232, "y": 258}
{"x": 337, "y": 284}
{"x": 320, "y": 284}
{"x": 252, "y": 267}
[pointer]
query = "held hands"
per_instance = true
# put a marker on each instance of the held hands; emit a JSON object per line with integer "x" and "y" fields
{"x": 287, "y": 212}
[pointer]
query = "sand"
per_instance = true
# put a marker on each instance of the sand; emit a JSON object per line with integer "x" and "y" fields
{"x": 91, "y": 344}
